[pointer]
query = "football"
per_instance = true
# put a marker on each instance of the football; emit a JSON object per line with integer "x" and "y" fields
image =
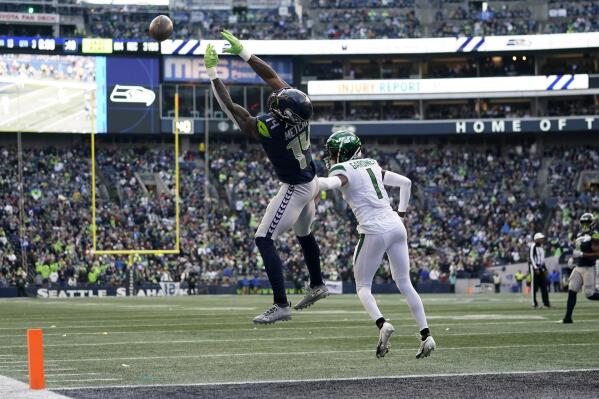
{"x": 161, "y": 28}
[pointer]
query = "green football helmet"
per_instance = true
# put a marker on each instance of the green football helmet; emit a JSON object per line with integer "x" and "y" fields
{"x": 342, "y": 146}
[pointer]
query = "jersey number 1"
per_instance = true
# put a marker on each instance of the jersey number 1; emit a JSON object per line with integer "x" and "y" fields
{"x": 298, "y": 145}
{"x": 374, "y": 183}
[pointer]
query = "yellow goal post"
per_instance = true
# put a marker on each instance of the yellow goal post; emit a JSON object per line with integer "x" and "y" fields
{"x": 132, "y": 252}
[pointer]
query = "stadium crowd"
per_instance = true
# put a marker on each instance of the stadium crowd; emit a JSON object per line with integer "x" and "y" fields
{"x": 471, "y": 208}
{"x": 318, "y": 19}
{"x": 566, "y": 197}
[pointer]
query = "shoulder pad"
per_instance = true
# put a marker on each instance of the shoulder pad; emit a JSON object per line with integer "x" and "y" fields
{"x": 337, "y": 168}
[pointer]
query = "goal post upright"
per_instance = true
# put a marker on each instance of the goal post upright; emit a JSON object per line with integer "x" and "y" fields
{"x": 93, "y": 175}
{"x": 177, "y": 230}
{"x": 131, "y": 253}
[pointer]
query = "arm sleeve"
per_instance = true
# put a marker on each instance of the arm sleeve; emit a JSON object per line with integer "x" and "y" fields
{"x": 404, "y": 184}
{"x": 586, "y": 245}
{"x": 222, "y": 105}
{"x": 328, "y": 183}
{"x": 532, "y": 256}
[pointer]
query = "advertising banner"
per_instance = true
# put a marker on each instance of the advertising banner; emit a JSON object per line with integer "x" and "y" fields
{"x": 230, "y": 70}
{"x": 335, "y": 287}
{"x": 132, "y": 91}
{"x": 401, "y": 88}
{"x": 170, "y": 288}
{"x": 588, "y": 124}
{"x": 441, "y": 45}
{"x": 99, "y": 291}
{"x": 26, "y": 18}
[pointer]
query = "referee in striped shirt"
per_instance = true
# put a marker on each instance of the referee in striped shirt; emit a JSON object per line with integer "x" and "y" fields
{"x": 538, "y": 270}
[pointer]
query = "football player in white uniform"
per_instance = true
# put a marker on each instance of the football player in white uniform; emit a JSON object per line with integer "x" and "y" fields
{"x": 362, "y": 181}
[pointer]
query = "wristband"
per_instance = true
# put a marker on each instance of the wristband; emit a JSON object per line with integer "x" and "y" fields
{"x": 245, "y": 54}
{"x": 212, "y": 73}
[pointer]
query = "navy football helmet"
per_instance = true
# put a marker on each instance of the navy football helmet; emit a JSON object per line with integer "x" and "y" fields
{"x": 290, "y": 105}
{"x": 587, "y": 221}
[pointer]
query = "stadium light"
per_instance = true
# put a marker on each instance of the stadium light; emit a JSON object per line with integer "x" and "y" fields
{"x": 30, "y": 10}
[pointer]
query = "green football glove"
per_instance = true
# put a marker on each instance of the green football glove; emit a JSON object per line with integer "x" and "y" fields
{"x": 235, "y": 47}
{"x": 210, "y": 57}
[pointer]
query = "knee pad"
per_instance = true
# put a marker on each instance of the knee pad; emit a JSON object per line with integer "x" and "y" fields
{"x": 403, "y": 284}
{"x": 362, "y": 287}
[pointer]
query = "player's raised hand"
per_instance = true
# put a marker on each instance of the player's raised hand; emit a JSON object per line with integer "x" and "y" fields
{"x": 210, "y": 57}
{"x": 235, "y": 47}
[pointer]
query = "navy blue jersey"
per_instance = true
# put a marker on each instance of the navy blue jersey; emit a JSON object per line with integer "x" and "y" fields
{"x": 584, "y": 243}
{"x": 288, "y": 148}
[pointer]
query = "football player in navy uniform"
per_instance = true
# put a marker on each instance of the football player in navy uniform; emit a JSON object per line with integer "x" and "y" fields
{"x": 586, "y": 253}
{"x": 284, "y": 134}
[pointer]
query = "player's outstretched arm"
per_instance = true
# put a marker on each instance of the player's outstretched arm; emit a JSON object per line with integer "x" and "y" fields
{"x": 239, "y": 115}
{"x": 332, "y": 182}
{"x": 263, "y": 70}
{"x": 396, "y": 180}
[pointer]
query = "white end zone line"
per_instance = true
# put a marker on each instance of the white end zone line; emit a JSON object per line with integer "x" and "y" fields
{"x": 27, "y": 370}
{"x": 307, "y": 328}
{"x": 332, "y": 352}
{"x": 71, "y": 374}
{"x": 79, "y": 380}
{"x": 389, "y": 377}
{"x": 307, "y": 324}
{"x": 14, "y": 389}
{"x": 311, "y": 338}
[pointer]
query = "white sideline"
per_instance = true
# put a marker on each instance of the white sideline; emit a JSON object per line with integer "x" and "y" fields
{"x": 13, "y": 389}
{"x": 389, "y": 377}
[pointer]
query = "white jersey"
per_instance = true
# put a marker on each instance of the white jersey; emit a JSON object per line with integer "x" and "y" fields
{"x": 366, "y": 195}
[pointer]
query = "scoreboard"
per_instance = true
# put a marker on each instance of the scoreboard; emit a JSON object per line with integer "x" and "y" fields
{"x": 78, "y": 46}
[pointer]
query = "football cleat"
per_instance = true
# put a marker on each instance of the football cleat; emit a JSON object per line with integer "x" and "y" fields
{"x": 312, "y": 295}
{"x": 273, "y": 314}
{"x": 565, "y": 320}
{"x": 426, "y": 347}
{"x": 384, "y": 334}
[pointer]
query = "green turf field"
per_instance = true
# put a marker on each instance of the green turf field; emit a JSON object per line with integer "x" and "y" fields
{"x": 188, "y": 340}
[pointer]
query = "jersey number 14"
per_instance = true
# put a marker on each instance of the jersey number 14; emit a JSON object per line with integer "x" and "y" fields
{"x": 299, "y": 145}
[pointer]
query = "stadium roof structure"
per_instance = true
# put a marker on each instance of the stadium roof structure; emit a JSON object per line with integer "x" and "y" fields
{"x": 443, "y": 45}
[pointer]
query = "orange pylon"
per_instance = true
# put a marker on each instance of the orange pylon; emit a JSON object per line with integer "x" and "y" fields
{"x": 35, "y": 357}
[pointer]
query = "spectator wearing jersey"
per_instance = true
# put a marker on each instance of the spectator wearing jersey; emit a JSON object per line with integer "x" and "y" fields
{"x": 538, "y": 270}
{"x": 519, "y": 277}
{"x": 555, "y": 280}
